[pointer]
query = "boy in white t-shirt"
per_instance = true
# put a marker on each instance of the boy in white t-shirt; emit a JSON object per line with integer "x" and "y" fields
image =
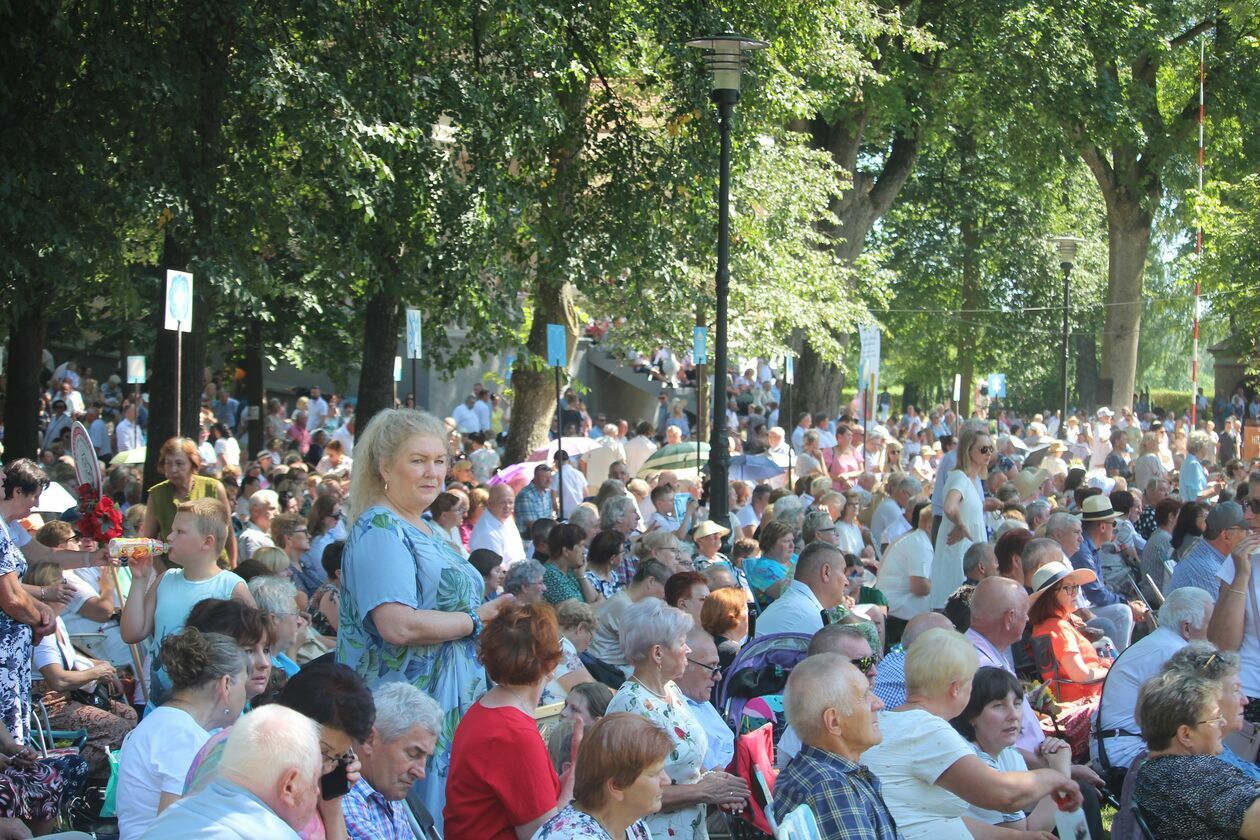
{"x": 664, "y": 518}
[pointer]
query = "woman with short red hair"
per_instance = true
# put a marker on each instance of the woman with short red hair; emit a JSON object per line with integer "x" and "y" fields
{"x": 501, "y": 784}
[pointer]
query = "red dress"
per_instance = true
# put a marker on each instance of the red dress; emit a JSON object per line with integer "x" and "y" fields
{"x": 501, "y": 775}
{"x": 1067, "y": 641}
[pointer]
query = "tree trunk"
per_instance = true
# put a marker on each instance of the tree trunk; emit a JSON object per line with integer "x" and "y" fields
{"x": 1086, "y": 370}
{"x": 1129, "y": 235}
{"x": 170, "y": 360}
{"x": 968, "y": 333}
{"x": 24, "y": 364}
{"x": 255, "y": 392}
{"x": 533, "y": 383}
{"x": 381, "y": 324}
{"x": 856, "y": 209}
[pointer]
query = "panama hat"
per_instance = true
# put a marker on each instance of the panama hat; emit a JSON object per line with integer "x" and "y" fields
{"x": 1097, "y": 508}
{"x": 707, "y": 528}
{"x": 1052, "y": 573}
{"x": 1029, "y": 481}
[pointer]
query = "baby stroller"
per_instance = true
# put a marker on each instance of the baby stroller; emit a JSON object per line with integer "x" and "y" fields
{"x": 751, "y": 692}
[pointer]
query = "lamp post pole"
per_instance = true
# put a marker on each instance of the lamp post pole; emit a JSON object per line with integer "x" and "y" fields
{"x": 1065, "y": 247}
{"x": 726, "y": 56}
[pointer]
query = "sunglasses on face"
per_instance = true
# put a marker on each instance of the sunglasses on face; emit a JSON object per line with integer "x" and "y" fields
{"x": 864, "y": 664}
{"x": 986, "y": 450}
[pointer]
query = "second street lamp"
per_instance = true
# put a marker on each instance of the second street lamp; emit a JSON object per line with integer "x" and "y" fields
{"x": 726, "y": 56}
{"x": 1065, "y": 248}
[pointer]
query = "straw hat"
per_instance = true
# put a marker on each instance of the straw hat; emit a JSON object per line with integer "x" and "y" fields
{"x": 1097, "y": 508}
{"x": 1029, "y": 481}
{"x": 1052, "y": 573}
{"x": 707, "y": 528}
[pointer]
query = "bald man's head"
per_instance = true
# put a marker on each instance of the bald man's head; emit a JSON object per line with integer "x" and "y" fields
{"x": 999, "y": 611}
{"x": 831, "y": 706}
{"x": 922, "y": 623}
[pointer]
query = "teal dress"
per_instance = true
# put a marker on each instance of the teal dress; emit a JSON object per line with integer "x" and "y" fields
{"x": 388, "y": 560}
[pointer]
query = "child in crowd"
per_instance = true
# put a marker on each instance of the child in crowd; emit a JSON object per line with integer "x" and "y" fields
{"x": 157, "y": 607}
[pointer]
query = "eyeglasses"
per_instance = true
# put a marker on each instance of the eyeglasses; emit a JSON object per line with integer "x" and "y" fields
{"x": 825, "y": 530}
{"x": 345, "y": 758}
{"x": 712, "y": 669}
{"x": 864, "y": 664}
{"x": 1219, "y": 721}
{"x": 1072, "y": 587}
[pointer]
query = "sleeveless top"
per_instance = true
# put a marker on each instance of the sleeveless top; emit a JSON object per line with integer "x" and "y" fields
{"x": 162, "y": 500}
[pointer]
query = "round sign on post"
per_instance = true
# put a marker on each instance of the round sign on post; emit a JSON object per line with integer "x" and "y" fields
{"x": 87, "y": 467}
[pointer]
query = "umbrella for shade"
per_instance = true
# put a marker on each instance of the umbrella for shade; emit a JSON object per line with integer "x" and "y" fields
{"x": 515, "y": 476}
{"x": 754, "y": 468}
{"x": 131, "y": 456}
{"x": 55, "y": 499}
{"x": 576, "y": 445}
{"x": 675, "y": 456}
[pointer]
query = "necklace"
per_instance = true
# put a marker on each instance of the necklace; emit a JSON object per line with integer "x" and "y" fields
{"x": 524, "y": 706}
{"x": 659, "y": 694}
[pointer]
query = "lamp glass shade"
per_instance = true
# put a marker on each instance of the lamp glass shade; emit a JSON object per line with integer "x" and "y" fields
{"x": 1065, "y": 247}
{"x": 726, "y": 56}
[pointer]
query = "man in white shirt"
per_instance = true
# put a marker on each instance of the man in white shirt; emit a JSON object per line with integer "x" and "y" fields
{"x": 610, "y": 451}
{"x": 127, "y": 433}
{"x": 1183, "y": 618}
{"x": 639, "y": 448}
{"x": 819, "y": 584}
{"x": 889, "y": 520}
{"x": 697, "y": 682}
{"x": 496, "y": 529}
{"x": 465, "y": 416}
{"x": 345, "y": 433}
{"x": 57, "y": 424}
{"x": 316, "y": 410}
{"x": 572, "y": 483}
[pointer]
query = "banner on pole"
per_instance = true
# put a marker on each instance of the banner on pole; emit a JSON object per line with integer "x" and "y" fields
{"x": 398, "y": 368}
{"x": 700, "y": 345}
{"x": 997, "y": 385}
{"x": 557, "y": 346}
{"x": 869, "y": 337}
{"x": 413, "y": 334}
{"x": 179, "y": 301}
{"x": 789, "y": 369}
{"x": 957, "y": 387}
{"x": 135, "y": 370}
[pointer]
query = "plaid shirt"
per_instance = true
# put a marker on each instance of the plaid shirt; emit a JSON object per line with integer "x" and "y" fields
{"x": 531, "y": 504}
{"x": 370, "y": 816}
{"x": 844, "y": 796}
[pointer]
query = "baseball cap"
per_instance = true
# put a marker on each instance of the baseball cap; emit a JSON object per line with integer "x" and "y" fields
{"x": 1224, "y": 516}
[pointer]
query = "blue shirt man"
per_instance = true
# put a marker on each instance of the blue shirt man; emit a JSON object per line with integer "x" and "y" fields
{"x": 1193, "y": 478}
{"x": 222, "y": 811}
{"x": 1226, "y": 527}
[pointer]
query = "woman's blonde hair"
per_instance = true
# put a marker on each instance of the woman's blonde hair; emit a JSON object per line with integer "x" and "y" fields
{"x": 273, "y": 559}
{"x": 653, "y": 540}
{"x": 937, "y": 659}
{"x": 967, "y": 440}
{"x": 379, "y": 444}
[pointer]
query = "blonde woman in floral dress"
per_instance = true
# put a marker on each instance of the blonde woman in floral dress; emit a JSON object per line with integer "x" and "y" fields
{"x": 653, "y": 637}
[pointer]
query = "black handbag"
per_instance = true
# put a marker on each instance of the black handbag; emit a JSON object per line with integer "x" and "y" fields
{"x": 98, "y": 698}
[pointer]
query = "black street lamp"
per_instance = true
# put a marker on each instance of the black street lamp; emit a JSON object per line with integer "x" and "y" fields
{"x": 726, "y": 56}
{"x": 1065, "y": 247}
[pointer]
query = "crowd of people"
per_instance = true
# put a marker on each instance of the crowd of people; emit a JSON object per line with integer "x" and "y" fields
{"x": 997, "y": 621}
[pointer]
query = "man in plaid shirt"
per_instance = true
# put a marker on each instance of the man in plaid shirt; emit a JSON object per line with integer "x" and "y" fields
{"x": 831, "y": 706}
{"x": 535, "y": 501}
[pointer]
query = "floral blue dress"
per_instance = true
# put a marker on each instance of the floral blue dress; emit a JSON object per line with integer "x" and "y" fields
{"x": 16, "y": 647}
{"x": 572, "y": 824}
{"x": 684, "y": 765}
{"x": 389, "y": 560}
